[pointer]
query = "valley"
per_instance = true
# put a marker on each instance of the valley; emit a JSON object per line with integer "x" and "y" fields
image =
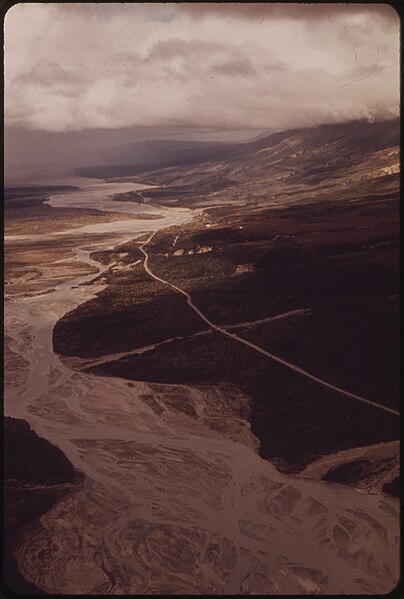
{"x": 331, "y": 262}
{"x": 205, "y": 462}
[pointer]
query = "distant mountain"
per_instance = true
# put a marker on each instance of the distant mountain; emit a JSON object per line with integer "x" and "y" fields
{"x": 313, "y": 154}
{"x": 357, "y": 134}
{"x": 35, "y": 155}
{"x": 292, "y": 165}
{"x": 138, "y": 157}
{"x": 306, "y": 155}
{"x": 287, "y": 162}
{"x": 166, "y": 151}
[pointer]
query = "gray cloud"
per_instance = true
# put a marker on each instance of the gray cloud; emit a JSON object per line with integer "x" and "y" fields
{"x": 76, "y": 66}
{"x": 46, "y": 72}
{"x": 286, "y": 10}
{"x": 234, "y": 67}
{"x": 171, "y": 48}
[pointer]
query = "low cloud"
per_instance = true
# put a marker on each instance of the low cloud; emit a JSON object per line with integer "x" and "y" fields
{"x": 234, "y": 67}
{"x": 286, "y": 10}
{"x": 173, "y": 48}
{"x": 76, "y": 66}
{"x": 47, "y": 73}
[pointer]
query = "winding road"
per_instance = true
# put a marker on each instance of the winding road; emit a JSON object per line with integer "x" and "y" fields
{"x": 253, "y": 346}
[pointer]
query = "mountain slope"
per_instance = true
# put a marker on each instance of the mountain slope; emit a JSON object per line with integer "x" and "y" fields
{"x": 298, "y": 246}
{"x": 305, "y": 160}
{"x": 164, "y": 151}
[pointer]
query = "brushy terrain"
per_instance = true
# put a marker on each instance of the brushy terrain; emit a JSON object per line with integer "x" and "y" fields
{"x": 300, "y": 256}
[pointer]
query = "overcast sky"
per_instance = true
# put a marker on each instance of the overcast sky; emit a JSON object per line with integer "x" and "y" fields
{"x": 74, "y": 66}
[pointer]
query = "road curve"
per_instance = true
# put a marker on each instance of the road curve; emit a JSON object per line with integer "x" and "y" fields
{"x": 257, "y": 348}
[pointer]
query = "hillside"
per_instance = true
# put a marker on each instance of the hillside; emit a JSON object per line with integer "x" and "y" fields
{"x": 343, "y": 153}
{"x": 309, "y": 161}
{"x": 296, "y": 251}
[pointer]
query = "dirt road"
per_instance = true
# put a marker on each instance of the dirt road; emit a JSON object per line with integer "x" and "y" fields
{"x": 253, "y": 346}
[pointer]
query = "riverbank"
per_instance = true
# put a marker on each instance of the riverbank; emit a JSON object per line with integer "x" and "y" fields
{"x": 263, "y": 288}
{"x": 36, "y": 475}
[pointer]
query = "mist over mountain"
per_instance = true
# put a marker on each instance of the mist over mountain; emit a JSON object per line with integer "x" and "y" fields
{"x": 313, "y": 154}
{"x": 30, "y": 154}
{"x": 292, "y": 156}
{"x": 101, "y": 153}
{"x": 138, "y": 72}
